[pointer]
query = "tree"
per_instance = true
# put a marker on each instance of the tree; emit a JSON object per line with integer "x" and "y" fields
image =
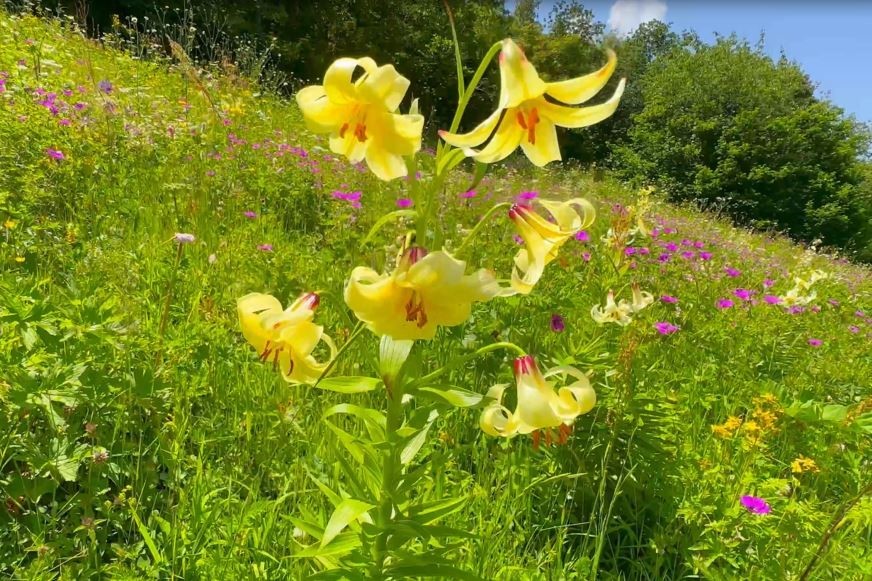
{"x": 726, "y": 126}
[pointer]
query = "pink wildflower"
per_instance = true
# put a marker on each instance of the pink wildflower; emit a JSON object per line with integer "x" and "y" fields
{"x": 756, "y": 505}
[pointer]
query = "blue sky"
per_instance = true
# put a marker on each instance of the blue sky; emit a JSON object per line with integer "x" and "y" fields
{"x": 830, "y": 39}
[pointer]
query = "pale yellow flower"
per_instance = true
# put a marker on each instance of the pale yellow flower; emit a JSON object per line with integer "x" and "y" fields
{"x": 285, "y": 338}
{"x": 619, "y": 313}
{"x": 361, "y": 116}
{"x": 529, "y": 112}
{"x": 539, "y": 406}
{"x": 425, "y": 291}
{"x": 543, "y": 239}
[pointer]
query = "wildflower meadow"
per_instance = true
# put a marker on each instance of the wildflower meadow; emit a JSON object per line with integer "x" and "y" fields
{"x": 244, "y": 336}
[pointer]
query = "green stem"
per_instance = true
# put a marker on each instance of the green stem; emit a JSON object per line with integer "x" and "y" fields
{"x": 461, "y": 360}
{"x": 471, "y": 235}
{"x": 467, "y": 95}
{"x": 354, "y": 335}
{"x": 165, "y": 314}
{"x": 391, "y": 471}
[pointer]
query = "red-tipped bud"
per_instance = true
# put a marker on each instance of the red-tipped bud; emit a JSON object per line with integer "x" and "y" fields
{"x": 310, "y": 301}
{"x": 524, "y": 365}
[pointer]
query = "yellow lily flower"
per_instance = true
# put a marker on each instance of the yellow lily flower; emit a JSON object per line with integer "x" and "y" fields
{"x": 641, "y": 299}
{"x": 543, "y": 238}
{"x": 286, "y": 338}
{"x": 361, "y": 116}
{"x": 423, "y": 292}
{"x": 525, "y": 117}
{"x": 539, "y": 405}
{"x": 618, "y": 313}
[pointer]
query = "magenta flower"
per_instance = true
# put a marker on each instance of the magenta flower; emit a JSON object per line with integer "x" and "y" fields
{"x": 705, "y": 255}
{"x": 265, "y": 247}
{"x": 517, "y": 239}
{"x": 251, "y": 215}
{"x": 796, "y": 310}
{"x": 854, "y": 329}
{"x": 664, "y": 257}
{"x": 526, "y": 197}
{"x": 732, "y": 272}
{"x": 469, "y": 194}
{"x": 55, "y": 154}
{"x": 669, "y": 299}
{"x": 585, "y": 256}
{"x": 815, "y": 342}
{"x": 629, "y": 251}
{"x": 833, "y": 302}
{"x": 105, "y": 86}
{"x": 772, "y": 299}
{"x": 756, "y": 505}
{"x": 353, "y": 198}
{"x": 724, "y": 303}
{"x": 404, "y": 203}
{"x": 582, "y": 236}
{"x": 688, "y": 254}
{"x": 671, "y": 247}
{"x": 743, "y": 294}
{"x": 665, "y": 328}
{"x": 557, "y": 323}
{"x": 644, "y": 251}
{"x": 768, "y": 283}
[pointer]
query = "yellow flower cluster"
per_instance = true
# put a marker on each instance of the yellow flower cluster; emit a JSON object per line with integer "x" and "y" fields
{"x": 762, "y": 419}
{"x": 803, "y": 464}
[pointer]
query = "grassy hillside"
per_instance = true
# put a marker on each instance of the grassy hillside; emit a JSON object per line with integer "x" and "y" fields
{"x": 141, "y": 437}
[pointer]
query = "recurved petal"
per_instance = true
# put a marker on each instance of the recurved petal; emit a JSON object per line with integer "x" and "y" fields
{"x": 567, "y": 217}
{"x": 506, "y": 140}
{"x": 337, "y": 80}
{"x": 306, "y": 368}
{"x": 519, "y": 80}
{"x": 384, "y": 85}
{"x": 574, "y": 117}
{"x": 475, "y": 137}
{"x": 320, "y": 114}
{"x": 580, "y": 89}
{"x": 252, "y": 308}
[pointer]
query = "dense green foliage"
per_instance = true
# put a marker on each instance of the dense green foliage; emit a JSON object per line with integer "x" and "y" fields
{"x": 721, "y": 125}
{"x": 726, "y": 127}
{"x": 140, "y": 437}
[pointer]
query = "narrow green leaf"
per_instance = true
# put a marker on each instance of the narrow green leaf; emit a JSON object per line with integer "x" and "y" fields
{"x": 386, "y": 219}
{"x": 348, "y": 510}
{"x": 478, "y": 174}
{"x": 342, "y": 544}
{"x": 428, "y": 512}
{"x": 351, "y": 384}
{"x": 433, "y": 570}
{"x": 146, "y": 536}
{"x": 414, "y": 444}
{"x": 456, "y": 396}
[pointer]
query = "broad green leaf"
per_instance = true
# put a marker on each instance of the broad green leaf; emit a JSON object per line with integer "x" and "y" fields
{"x": 834, "y": 413}
{"x": 456, "y": 396}
{"x": 348, "y": 510}
{"x": 392, "y": 355}
{"x": 414, "y": 444}
{"x": 352, "y": 384}
{"x": 864, "y": 422}
{"x": 374, "y": 417}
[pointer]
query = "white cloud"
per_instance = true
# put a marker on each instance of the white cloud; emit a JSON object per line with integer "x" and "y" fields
{"x": 626, "y": 15}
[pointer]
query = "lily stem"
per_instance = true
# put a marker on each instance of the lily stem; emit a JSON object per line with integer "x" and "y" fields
{"x": 469, "y": 237}
{"x": 391, "y": 471}
{"x": 358, "y": 329}
{"x": 461, "y": 360}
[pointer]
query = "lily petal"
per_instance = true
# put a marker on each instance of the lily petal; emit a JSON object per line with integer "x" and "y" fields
{"x": 383, "y": 85}
{"x": 519, "y": 80}
{"x": 320, "y": 114}
{"x": 545, "y": 148}
{"x": 475, "y": 137}
{"x": 581, "y": 89}
{"x": 506, "y": 140}
{"x": 582, "y": 116}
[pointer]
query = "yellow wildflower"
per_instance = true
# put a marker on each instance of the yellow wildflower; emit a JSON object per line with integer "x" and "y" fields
{"x": 803, "y": 464}
{"x": 525, "y": 117}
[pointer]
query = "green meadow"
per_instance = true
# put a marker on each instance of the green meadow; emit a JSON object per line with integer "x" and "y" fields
{"x": 142, "y": 436}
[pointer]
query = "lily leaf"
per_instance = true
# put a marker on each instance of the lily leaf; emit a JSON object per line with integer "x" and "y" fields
{"x": 342, "y": 544}
{"x": 348, "y": 510}
{"x": 456, "y": 396}
{"x": 350, "y": 384}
